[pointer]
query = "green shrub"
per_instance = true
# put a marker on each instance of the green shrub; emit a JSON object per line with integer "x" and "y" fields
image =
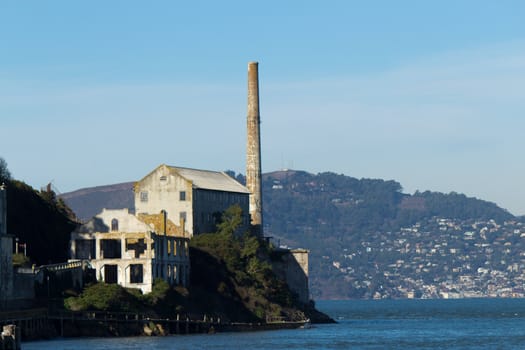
{"x": 158, "y": 292}
{"x": 104, "y": 297}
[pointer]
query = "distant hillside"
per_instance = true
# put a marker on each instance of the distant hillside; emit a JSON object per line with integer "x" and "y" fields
{"x": 338, "y": 217}
{"x": 88, "y": 202}
{"x": 332, "y": 215}
{"x": 303, "y": 206}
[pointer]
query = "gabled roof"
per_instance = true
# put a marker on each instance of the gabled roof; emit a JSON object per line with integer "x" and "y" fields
{"x": 210, "y": 180}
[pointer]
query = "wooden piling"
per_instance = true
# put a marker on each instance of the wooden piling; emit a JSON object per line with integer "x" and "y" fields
{"x": 10, "y": 337}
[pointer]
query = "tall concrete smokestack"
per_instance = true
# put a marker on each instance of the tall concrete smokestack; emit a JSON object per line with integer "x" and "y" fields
{"x": 253, "y": 150}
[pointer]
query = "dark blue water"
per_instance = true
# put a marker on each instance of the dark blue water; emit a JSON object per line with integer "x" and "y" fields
{"x": 382, "y": 324}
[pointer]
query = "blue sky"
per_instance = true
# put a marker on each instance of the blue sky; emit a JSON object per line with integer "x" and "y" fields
{"x": 428, "y": 93}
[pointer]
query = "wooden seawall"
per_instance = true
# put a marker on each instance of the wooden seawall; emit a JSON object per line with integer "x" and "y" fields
{"x": 100, "y": 323}
{"x": 119, "y": 324}
{"x": 39, "y": 324}
{"x": 30, "y": 324}
{"x": 10, "y": 337}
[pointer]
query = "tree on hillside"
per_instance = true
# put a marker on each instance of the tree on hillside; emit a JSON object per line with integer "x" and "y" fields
{"x": 231, "y": 219}
{"x": 5, "y": 175}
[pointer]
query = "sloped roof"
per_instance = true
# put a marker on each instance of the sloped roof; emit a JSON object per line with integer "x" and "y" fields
{"x": 210, "y": 180}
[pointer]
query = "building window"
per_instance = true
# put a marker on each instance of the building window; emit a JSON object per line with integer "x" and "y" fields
{"x": 182, "y": 216}
{"x": 136, "y": 273}
{"x": 110, "y": 274}
{"x": 114, "y": 225}
{"x": 160, "y": 248}
{"x": 85, "y": 249}
{"x": 163, "y": 178}
{"x": 137, "y": 245}
{"x": 110, "y": 249}
{"x": 182, "y": 195}
{"x": 143, "y": 196}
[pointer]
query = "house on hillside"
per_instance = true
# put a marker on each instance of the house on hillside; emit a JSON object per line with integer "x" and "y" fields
{"x": 196, "y": 197}
{"x": 133, "y": 250}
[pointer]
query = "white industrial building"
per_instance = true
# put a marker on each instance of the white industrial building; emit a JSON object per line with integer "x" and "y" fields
{"x": 133, "y": 250}
{"x": 198, "y": 197}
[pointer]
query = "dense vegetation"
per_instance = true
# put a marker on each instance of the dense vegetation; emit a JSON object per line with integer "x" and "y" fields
{"x": 40, "y": 222}
{"x": 113, "y": 297}
{"x": 5, "y": 174}
{"x": 299, "y": 204}
{"x": 248, "y": 275}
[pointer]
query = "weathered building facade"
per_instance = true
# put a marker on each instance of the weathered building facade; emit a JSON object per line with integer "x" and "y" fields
{"x": 197, "y": 197}
{"x": 292, "y": 266}
{"x": 133, "y": 250}
{"x": 6, "y": 253}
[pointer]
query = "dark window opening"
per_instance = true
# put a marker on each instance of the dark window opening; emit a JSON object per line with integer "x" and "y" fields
{"x": 110, "y": 249}
{"x": 136, "y": 273}
{"x": 114, "y": 225}
{"x": 137, "y": 245}
{"x": 110, "y": 274}
{"x": 85, "y": 249}
{"x": 160, "y": 248}
{"x": 182, "y": 195}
